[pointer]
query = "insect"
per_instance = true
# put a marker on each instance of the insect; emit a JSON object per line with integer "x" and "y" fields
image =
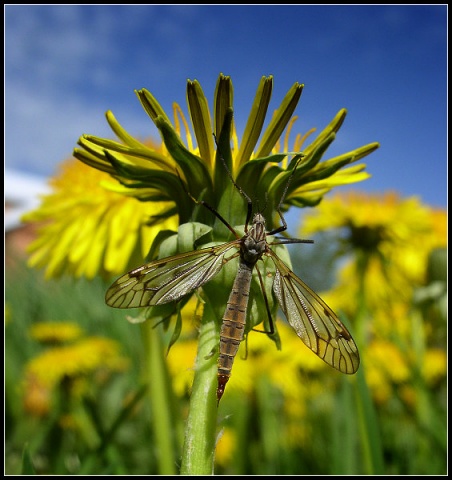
{"x": 169, "y": 279}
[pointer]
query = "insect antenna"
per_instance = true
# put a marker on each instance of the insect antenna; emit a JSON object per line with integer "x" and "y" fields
{"x": 283, "y": 227}
{"x": 238, "y": 187}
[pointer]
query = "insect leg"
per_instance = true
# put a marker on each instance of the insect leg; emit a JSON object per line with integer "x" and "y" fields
{"x": 267, "y": 307}
{"x": 283, "y": 227}
{"x": 205, "y": 204}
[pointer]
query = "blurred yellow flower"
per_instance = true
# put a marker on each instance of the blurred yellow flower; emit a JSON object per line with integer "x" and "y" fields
{"x": 225, "y": 447}
{"x": 46, "y": 371}
{"x": 88, "y": 229}
{"x": 393, "y": 235}
{"x": 55, "y": 332}
{"x": 434, "y": 365}
{"x": 388, "y": 241}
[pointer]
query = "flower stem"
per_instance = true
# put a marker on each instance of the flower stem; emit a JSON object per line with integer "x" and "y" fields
{"x": 367, "y": 416}
{"x": 199, "y": 446}
{"x": 161, "y": 401}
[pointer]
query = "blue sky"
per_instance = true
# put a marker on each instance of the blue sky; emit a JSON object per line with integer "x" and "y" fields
{"x": 67, "y": 65}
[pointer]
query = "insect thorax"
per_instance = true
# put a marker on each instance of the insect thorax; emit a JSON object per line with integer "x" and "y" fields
{"x": 254, "y": 242}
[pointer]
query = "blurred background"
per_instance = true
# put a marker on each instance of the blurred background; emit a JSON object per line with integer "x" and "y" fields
{"x": 65, "y": 66}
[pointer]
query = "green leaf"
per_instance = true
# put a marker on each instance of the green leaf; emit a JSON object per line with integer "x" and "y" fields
{"x": 27, "y": 464}
{"x": 176, "y": 333}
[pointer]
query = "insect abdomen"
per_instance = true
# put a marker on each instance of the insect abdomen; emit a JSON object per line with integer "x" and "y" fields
{"x": 233, "y": 326}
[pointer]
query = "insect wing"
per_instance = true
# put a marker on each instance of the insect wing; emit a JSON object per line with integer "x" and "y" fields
{"x": 314, "y": 321}
{"x": 168, "y": 279}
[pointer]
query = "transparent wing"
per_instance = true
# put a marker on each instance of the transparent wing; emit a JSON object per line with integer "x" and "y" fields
{"x": 314, "y": 321}
{"x": 168, "y": 279}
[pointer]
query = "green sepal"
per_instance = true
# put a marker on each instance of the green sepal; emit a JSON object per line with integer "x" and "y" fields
{"x": 150, "y": 104}
{"x": 255, "y": 121}
{"x": 161, "y": 237}
{"x": 280, "y": 120}
{"x": 311, "y": 160}
{"x": 251, "y": 172}
{"x": 193, "y": 168}
{"x": 192, "y": 235}
{"x": 308, "y": 200}
{"x": 141, "y": 154}
{"x": 168, "y": 184}
{"x": 198, "y": 107}
{"x": 93, "y": 160}
{"x": 221, "y": 175}
{"x": 223, "y": 100}
{"x": 332, "y": 127}
{"x": 120, "y": 132}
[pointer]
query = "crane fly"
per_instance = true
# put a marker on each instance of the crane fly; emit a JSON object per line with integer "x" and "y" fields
{"x": 169, "y": 279}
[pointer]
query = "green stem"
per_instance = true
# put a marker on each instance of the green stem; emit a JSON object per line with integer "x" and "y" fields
{"x": 199, "y": 446}
{"x": 367, "y": 417}
{"x": 161, "y": 401}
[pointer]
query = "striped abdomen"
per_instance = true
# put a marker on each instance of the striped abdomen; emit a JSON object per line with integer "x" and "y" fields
{"x": 233, "y": 326}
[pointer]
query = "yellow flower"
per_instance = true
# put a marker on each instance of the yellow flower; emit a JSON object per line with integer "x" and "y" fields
{"x": 102, "y": 222}
{"x": 46, "y": 371}
{"x": 390, "y": 240}
{"x": 81, "y": 358}
{"x": 434, "y": 365}
{"x": 55, "y": 332}
{"x": 392, "y": 236}
{"x": 158, "y": 175}
{"x": 225, "y": 447}
{"x": 87, "y": 229}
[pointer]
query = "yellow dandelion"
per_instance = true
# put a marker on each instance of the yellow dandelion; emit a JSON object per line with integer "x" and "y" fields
{"x": 408, "y": 394}
{"x": 434, "y": 365}
{"x": 46, "y": 371}
{"x": 88, "y": 228}
{"x": 181, "y": 359}
{"x": 387, "y": 357}
{"x": 37, "y": 398}
{"x": 81, "y": 358}
{"x": 55, "y": 332}
{"x": 226, "y": 445}
{"x": 390, "y": 237}
{"x": 101, "y": 222}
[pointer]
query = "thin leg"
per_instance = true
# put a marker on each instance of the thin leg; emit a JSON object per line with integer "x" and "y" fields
{"x": 269, "y": 315}
{"x": 283, "y": 227}
{"x": 205, "y": 204}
